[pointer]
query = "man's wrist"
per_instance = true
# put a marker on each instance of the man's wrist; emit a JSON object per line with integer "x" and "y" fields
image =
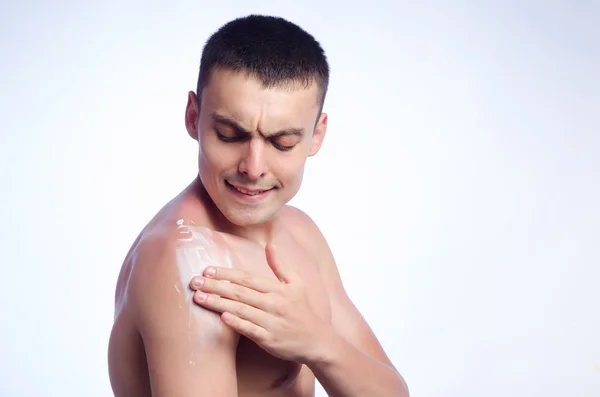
{"x": 326, "y": 349}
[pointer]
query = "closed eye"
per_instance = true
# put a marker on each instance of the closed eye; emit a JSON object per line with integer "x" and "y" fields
{"x": 229, "y": 139}
{"x": 285, "y": 141}
{"x": 240, "y": 137}
{"x": 282, "y": 147}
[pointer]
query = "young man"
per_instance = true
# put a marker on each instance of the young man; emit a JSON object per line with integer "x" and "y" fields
{"x": 273, "y": 315}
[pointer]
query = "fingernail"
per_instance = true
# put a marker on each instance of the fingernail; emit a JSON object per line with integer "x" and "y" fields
{"x": 200, "y": 296}
{"x": 210, "y": 271}
{"x": 198, "y": 282}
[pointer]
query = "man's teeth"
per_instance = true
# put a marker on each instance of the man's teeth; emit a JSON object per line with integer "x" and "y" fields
{"x": 249, "y": 193}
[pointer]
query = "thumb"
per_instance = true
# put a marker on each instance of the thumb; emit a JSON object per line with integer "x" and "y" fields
{"x": 279, "y": 268}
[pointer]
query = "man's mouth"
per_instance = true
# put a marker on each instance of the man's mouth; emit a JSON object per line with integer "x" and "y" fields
{"x": 247, "y": 191}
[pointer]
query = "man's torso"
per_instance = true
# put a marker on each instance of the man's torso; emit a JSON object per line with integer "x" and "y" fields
{"x": 258, "y": 373}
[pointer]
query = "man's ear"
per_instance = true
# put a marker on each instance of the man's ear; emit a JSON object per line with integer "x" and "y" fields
{"x": 191, "y": 115}
{"x": 318, "y": 135}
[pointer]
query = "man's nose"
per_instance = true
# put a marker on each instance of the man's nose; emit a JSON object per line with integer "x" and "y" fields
{"x": 253, "y": 163}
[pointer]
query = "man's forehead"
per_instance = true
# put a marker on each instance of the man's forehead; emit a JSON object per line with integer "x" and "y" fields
{"x": 231, "y": 87}
{"x": 250, "y": 104}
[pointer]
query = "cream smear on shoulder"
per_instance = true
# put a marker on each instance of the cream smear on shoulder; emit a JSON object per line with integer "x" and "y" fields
{"x": 197, "y": 248}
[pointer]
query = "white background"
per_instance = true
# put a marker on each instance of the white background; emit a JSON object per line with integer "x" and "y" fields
{"x": 458, "y": 185}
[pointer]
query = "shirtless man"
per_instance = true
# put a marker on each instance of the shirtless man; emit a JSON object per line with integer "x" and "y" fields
{"x": 274, "y": 315}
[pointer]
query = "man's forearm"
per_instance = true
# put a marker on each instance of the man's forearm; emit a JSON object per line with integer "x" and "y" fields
{"x": 344, "y": 371}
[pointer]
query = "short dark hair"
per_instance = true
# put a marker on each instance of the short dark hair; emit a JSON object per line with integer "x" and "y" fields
{"x": 271, "y": 49}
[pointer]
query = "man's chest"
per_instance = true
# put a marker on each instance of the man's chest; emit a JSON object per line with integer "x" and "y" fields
{"x": 301, "y": 260}
{"x": 258, "y": 371}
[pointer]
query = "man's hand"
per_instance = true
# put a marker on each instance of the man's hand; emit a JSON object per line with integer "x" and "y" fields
{"x": 275, "y": 314}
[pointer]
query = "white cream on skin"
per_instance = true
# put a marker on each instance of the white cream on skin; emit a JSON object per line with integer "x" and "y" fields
{"x": 197, "y": 248}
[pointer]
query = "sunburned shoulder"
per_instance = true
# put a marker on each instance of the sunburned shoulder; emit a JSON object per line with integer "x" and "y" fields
{"x": 169, "y": 256}
{"x": 162, "y": 242}
{"x": 186, "y": 346}
{"x": 159, "y": 294}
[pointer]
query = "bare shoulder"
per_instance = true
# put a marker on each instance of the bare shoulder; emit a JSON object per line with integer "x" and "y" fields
{"x": 310, "y": 235}
{"x": 167, "y": 257}
{"x": 302, "y": 225}
{"x": 153, "y": 257}
{"x": 186, "y": 346}
{"x": 295, "y": 214}
{"x": 152, "y": 263}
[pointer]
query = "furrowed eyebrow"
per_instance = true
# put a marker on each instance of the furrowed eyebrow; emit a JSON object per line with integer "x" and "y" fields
{"x": 299, "y": 132}
{"x": 219, "y": 118}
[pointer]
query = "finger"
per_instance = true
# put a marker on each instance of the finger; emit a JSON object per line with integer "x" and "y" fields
{"x": 241, "y": 277}
{"x": 241, "y": 310}
{"x": 244, "y": 327}
{"x": 279, "y": 267}
{"x": 233, "y": 292}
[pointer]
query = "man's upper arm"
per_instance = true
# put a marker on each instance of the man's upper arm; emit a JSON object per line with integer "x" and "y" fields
{"x": 346, "y": 319}
{"x": 188, "y": 351}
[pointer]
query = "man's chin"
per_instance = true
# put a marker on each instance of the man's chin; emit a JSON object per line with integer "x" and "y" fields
{"x": 247, "y": 217}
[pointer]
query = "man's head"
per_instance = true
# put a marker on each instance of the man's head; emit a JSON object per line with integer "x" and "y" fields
{"x": 257, "y": 115}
